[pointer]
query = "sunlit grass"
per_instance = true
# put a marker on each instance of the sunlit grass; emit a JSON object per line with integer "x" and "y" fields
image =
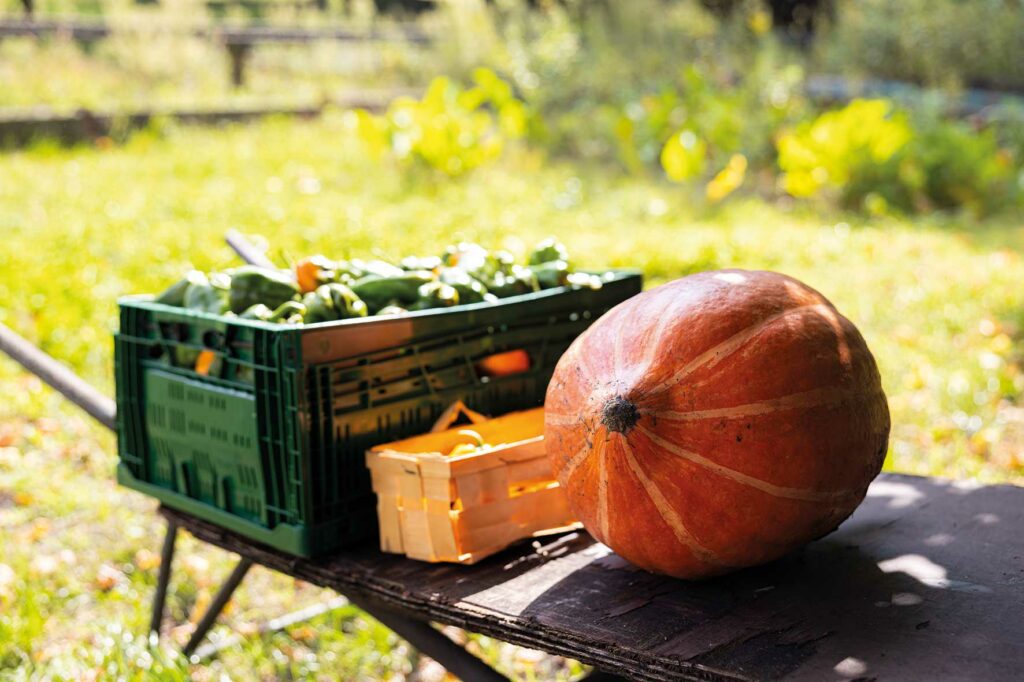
{"x": 937, "y": 300}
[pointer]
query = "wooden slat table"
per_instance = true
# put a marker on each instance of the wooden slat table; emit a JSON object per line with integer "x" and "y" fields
{"x": 924, "y": 582}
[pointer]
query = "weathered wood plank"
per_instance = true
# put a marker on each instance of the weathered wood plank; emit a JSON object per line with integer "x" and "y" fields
{"x": 85, "y": 29}
{"x": 925, "y": 581}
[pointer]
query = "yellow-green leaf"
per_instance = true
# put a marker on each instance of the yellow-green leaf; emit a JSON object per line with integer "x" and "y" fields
{"x": 683, "y": 155}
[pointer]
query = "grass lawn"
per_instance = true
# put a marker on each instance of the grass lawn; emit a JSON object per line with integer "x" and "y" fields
{"x": 937, "y": 300}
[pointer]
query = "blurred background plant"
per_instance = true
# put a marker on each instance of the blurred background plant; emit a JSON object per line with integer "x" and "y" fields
{"x": 450, "y": 130}
{"x": 687, "y": 96}
{"x": 944, "y": 43}
{"x": 710, "y": 88}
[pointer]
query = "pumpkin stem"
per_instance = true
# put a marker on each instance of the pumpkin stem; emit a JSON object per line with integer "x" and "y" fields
{"x": 619, "y": 415}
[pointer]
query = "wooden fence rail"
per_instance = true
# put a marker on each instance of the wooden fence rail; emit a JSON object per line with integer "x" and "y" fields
{"x": 237, "y": 39}
{"x": 19, "y": 127}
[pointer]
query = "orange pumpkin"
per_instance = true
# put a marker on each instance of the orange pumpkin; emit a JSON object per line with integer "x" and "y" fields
{"x": 716, "y": 422}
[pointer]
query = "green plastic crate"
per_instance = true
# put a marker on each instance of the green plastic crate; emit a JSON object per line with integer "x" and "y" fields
{"x": 270, "y": 442}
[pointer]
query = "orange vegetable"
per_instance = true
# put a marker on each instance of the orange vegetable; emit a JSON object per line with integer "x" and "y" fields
{"x": 716, "y": 422}
{"x": 503, "y": 364}
{"x": 205, "y": 361}
{"x": 309, "y": 273}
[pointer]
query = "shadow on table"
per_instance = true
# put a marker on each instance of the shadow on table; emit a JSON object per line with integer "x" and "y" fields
{"x": 926, "y": 574}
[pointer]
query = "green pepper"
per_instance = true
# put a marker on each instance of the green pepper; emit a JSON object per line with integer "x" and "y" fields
{"x": 332, "y": 302}
{"x": 503, "y": 261}
{"x": 380, "y": 291}
{"x": 584, "y": 280}
{"x": 346, "y": 302}
{"x": 470, "y": 289}
{"x": 435, "y": 295}
{"x": 251, "y": 284}
{"x": 183, "y": 356}
{"x": 349, "y": 268}
{"x": 392, "y": 310}
{"x": 551, "y": 274}
{"x": 421, "y": 263}
{"x": 464, "y": 255}
{"x": 289, "y": 312}
{"x": 209, "y": 294}
{"x": 319, "y": 305}
{"x": 521, "y": 281}
{"x": 549, "y": 250}
{"x": 359, "y": 268}
{"x": 499, "y": 263}
{"x": 256, "y": 312}
{"x": 478, "y": 262}
{"x": 175, "y": 294}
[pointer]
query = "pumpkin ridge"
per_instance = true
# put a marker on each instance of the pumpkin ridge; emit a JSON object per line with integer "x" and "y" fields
{"x": 818, "y": 397}
{"x": 667, "y": 513}
{"x": 570, "y": 465}
{"x": 653, "y": 345}
{"x": 602, "y": 495}
{"x": 832, "y": 317}
{"x": 720, "y": 351}
{"x": 587, "y": 374}
{"x": 843, "y": 353}
{"x": 801, "y": 494}
{"x": 618, "y": 366}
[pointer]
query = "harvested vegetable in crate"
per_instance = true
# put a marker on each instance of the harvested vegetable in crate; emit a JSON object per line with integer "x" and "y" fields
{"x": 464, "y": 493}
{"x": 259, "y": 420}
{"x": 318, "y": 289}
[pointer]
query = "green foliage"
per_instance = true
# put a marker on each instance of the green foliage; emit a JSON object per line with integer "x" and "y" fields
{"x": 612, "y": 85}
{"x": 708, "y": 99}
{"x": 683, "y": 156}
{"x": 936, "y": 42}
{"x": 601, "y": 82}
{"x": 872, "y": 157}
{"x": 450, "y": 130}
{"x": 950, "y": 164}
{"x": 839, "y": 148}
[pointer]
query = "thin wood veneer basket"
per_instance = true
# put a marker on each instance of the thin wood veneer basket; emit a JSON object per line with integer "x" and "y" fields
{"x": 462, "y": 508}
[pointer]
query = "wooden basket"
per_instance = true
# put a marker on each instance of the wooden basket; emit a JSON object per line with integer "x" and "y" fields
{"x": 462, "y": 508}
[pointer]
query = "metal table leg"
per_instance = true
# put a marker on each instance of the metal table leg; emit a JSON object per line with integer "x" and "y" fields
{"x": 164, "y": 577}
{"x": 219, "y": 602}
{"x": 454, "y": 658}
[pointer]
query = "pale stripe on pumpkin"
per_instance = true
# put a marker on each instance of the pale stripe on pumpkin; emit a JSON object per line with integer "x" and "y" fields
{"x": 561, "y": 418}
{"x": 570, "y": 465}
{"x": 843, "y": 346}
{"x": 584, "y": 371}
{"x": 719, "y": 352}
{"x": 818, "y": 397}
{"x": 667, "y": 512}
{"x": 764, "y": 486}
{"x": 651, "y": 345}
{"x": 602, "y": 494}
